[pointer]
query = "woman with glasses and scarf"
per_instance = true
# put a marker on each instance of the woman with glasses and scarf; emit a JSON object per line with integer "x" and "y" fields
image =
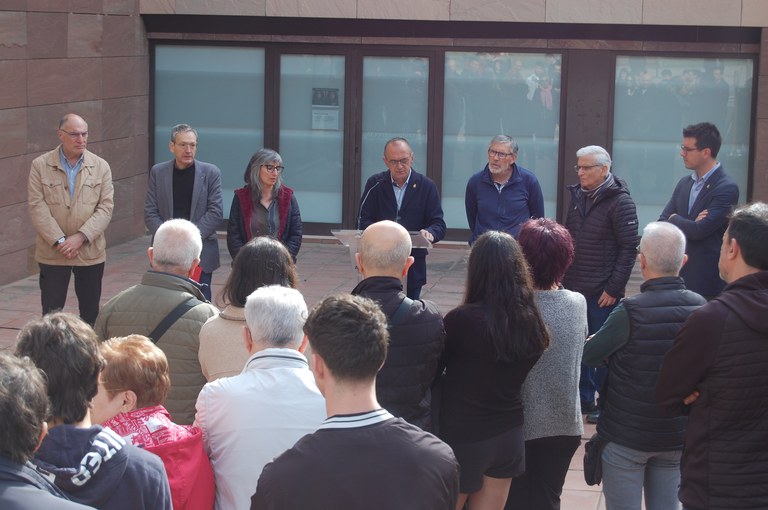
{"x": 264, "y": 206}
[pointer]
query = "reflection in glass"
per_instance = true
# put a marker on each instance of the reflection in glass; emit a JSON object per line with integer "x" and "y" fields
{"x": 218, "y": 91}
{"x": 486, "y": 94}
{"x": 654, "y": 99}
{"x": 394, "y": 104}
{"x": 312, "y": 133}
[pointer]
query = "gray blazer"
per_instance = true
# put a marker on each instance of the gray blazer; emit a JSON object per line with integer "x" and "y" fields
{"x": 206, "y": 210}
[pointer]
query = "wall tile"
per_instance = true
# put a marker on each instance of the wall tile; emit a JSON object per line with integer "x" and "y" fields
{"x": 119, "y": 36}
{"x": 13, "y": 93}
{"x": 157, "y": 6}
{"x": 15, "y": 177}
{"x": 42, "y": 122}
{"x": 754, "y": 13}
{"x": 762, "y": 99}
{"x": 16, "y": 266}
{"x": 50, "y": 80}
{"x": 47, "y": 34}
{"x": 48, "y": 5}
{"x": 120, "y": 157}
{"x": 124, "y": 7}
{"x": 13, "y": 26}
{"x": 692, "y": 47}
{"x": 16, "y": 232}
{"x": 594, "y": 11}
{"x": 118, "y": 117}
{"x": 760, "y": 182}
{"x": 13, "y": 126}
{"x": 86, "y": 6}
{"x": 125, "y": 76}
{"x": 692, "y": 12}
{"x": 581, "y": 44}
{"x": 404, "y": 9}
{"x": 498, "y": 10}
{"x": 141, "y": 115}
{"x": 313, "y": 9}
{"x": 516, "y": 43}
{"x": 84, "y": 35}
{"x": 222, "y": 7}
{"x": 13, "y": 5}
{"x": 123, "y": 199}
{"x": 764, "y": 52}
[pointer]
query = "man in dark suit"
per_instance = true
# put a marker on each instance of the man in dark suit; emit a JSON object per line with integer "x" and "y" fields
{"x": 406, "y": 197}
{"x": 189, "y": 189}
{"x": 700, "y": 206}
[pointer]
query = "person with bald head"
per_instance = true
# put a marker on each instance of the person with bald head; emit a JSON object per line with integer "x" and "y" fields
{"x": 417, "y": 336}
{"x": 70, "y": 199}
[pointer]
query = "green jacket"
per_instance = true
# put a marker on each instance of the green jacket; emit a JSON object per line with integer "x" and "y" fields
{"x": 139, "y": 309}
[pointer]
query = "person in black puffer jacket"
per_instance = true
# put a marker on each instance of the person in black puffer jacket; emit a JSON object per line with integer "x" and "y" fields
{"x": 602, "y": 220}
{"x": 417, "y": 340}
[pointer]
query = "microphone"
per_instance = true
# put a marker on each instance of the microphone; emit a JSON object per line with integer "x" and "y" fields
{"x": 360, "y": 213}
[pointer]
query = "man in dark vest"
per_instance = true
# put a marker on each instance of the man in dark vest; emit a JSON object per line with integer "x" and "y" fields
{"x": 718, "y": 369}
{"x": 644, "y": 445}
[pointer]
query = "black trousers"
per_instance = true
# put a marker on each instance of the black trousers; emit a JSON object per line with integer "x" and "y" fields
{"x": 546, "y": 464}
{"x": 54, "y": 283}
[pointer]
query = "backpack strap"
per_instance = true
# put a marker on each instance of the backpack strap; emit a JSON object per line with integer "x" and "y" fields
{"x": 172, "y": 317}
{"x": 399, "y": 315}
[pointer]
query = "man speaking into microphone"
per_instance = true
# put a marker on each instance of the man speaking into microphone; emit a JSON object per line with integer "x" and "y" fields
{"x": 402, "y": 195}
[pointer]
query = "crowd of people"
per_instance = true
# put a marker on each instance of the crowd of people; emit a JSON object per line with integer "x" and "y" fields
{"x": 374, "y": 398}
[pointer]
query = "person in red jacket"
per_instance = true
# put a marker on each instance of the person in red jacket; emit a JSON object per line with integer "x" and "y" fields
{"x": 132, "y": 388}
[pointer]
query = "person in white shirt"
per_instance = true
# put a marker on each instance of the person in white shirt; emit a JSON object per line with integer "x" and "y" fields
{"x": 250, "y": 418}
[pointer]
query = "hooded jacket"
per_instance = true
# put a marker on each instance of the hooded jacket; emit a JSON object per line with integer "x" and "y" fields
{"x": 94, "y": 466}
{"x": 23, "y": 488}
{"x": 722, "y": 351}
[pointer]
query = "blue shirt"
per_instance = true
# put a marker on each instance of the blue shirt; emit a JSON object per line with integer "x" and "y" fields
{"x": 400, "y": 190}
{"x": 71, "y": 170}
{"x": 698, "y": 185}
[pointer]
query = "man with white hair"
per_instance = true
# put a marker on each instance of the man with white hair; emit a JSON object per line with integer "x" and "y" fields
{"x": 416, "y": 332}
{"x": 644, "y": 445}
{"x": 168, "y": 307}
{"x": 251, "y": 418}
{"x": 602, "y": 219}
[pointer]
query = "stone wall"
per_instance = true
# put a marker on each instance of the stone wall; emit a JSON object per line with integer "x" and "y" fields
{"x": 89, "y": 57}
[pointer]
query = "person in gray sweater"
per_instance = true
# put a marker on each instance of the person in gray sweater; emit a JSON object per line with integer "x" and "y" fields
{"x": 553, "y": 425}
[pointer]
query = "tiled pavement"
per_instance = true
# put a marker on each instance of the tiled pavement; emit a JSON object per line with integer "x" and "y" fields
{"x": 324, "y": 267}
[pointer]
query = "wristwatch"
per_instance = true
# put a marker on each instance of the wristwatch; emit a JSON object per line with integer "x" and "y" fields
{"x": 59, "y": 241}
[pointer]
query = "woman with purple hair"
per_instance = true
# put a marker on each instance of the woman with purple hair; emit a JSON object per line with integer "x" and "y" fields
{"x": 553, "y": 425}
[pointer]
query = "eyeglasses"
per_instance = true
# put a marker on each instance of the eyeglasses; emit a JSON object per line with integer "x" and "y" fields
{"x": 576, "y": 168}
{"x": 399, "y": 162}
{"x": 501, "y": 155}
{"x": 273, "y": 169}
{"x": 76, "y": 134}
{"x": 185, "y": 145}
{"x": 688, "y": 149}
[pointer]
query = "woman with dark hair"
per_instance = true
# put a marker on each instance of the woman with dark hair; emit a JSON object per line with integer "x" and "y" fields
{"x": 493, "y": 339}
{"x": 262, "y": 261}
{"x": 553, "y": 425}
{"x": 264, "y": 206}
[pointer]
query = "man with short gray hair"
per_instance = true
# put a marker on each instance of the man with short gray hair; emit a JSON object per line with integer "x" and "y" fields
{"x": 168, "y": 307}
{"x": 643, "y": 444}
{"x": 416, "y": 335}
{"x": 251, "y": 418}
{"x": 184, "y": 187}
{"x": 602, "y": 219}
{"x": 502, "y": 196}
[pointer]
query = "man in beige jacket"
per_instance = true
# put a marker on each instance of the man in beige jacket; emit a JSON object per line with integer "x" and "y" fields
{"x": 70, "y": 205}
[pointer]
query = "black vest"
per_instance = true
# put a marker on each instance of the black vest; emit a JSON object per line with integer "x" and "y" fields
{"x": 630, "y": 416}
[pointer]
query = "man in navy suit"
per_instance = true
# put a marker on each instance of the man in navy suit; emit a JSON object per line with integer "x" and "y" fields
{"x": 700, "y": 206}
{"x": 189, "y": 189}
{"x": 402, "y": 195}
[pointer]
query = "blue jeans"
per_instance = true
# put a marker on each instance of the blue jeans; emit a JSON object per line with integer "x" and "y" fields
{"x": 628, "y": 473}
{"x": 592, "y": 379}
